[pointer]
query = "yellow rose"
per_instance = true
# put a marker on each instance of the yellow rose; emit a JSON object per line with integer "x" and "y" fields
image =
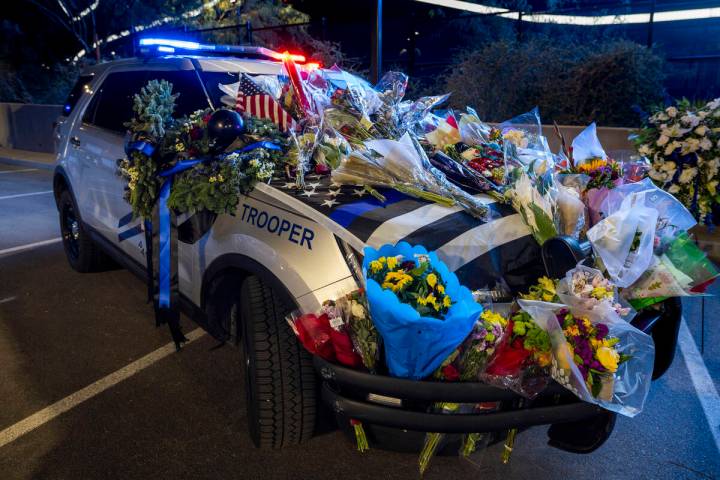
{"x": 547, "y": 284}
{"x": 431, "y": 280}
{"x": 440, "y": 289}
{"x": 392, "y": 262}
{"x": 446, "y": 301}
{"x": 608, "y": 357}
{"x": 375, "y": 266}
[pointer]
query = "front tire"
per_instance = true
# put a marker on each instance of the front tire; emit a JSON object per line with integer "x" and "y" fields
{"x": 279, "y": 376}
{"x": 81, "y": 252}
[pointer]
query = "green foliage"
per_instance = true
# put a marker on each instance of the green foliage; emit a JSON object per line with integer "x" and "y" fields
{"x": 213, "y": 186}
{"x": 572, "y": 83}
{"x": 153, "y": 108}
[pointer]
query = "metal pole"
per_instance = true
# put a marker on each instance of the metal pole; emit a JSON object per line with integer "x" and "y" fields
{"x": 249, "y": 32}
{"x": 376, "y": 44}
{"x": 650, "y": 24}
{"x": 519, "y": 26}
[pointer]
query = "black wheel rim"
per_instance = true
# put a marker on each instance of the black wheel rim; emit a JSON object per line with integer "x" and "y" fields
{"x": 70, "y": 228}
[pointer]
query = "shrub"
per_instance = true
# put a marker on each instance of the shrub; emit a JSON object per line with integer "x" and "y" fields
{"x": 571, "y": 83}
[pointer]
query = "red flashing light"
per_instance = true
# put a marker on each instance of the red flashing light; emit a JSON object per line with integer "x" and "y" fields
{"x": 292, "y": 56}
{"x": 311, "y": 66}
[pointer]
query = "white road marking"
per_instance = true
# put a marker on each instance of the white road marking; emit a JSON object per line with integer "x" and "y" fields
{"x": 8, "y": 197}
{"x": 704, "y": 385}
{"x": 6, "y": 300}
{"x": 29, "y": 246}
{"x": 19, "y": 171}
{"x": 73, "y": 400}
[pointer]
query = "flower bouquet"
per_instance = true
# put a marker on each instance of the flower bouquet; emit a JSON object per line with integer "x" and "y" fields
{"x": 586, "y": 288}
{"x": 535, "y": 208}
{"x": 596, "y": 355}
{"x": 681, "y": 142}
{"x": 521, "y": 358}
{"x": 418, "y": 306}
{"x": 624, "y": 240}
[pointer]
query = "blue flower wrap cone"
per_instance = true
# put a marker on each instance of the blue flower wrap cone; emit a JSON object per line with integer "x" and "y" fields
{"x": 416, "y": 346}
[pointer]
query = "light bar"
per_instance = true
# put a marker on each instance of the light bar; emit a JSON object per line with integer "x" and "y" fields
{"x": 168, "y": 42}
{"x": 170, "y": 45}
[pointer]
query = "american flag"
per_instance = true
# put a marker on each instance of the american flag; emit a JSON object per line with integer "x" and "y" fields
{"x": 252, "y": 100}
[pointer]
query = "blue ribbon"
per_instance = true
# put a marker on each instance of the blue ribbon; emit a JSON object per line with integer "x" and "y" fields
{"x": 146, "y": 148}
{"x": 254, "y": 146}
{"x": 164, "y": 217}
{"x": 164, "y": 246}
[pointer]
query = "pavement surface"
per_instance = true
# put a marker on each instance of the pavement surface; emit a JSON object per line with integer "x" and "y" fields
{"x": 183, "y": 414}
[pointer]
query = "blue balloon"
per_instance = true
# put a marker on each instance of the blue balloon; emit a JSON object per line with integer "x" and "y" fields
{"x": 416, "y": 346}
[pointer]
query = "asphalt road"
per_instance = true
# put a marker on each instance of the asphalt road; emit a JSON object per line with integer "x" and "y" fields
{"x": 184, "y": 415}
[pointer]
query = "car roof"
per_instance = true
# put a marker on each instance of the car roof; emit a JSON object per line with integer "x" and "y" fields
{"x": 186, "y": 62}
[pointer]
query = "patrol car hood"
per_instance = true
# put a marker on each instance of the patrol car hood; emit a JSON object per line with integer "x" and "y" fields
{"x": 498, "y": 254}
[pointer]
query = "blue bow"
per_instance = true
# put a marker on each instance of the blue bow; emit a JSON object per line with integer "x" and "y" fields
{"x": 164, "y": 216}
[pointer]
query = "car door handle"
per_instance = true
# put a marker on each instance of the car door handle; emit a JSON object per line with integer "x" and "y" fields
{"x": 75, "y": 141}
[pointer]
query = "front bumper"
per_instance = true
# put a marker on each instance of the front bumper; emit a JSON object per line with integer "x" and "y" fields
{"x": 350, "y": 393}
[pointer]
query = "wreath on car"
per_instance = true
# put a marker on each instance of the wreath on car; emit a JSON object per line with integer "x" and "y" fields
{"x": 225, "y": 154}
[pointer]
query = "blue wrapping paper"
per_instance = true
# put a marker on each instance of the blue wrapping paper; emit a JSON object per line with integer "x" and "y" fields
{"x": 416, "y": 346}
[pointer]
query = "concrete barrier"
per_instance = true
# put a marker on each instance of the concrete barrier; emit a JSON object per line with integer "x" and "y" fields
{"x": 613, "y": 139}
{"x": 28, "y": 126}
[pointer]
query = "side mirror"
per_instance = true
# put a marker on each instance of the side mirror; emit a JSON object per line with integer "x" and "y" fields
{"x": 563, "y": 253}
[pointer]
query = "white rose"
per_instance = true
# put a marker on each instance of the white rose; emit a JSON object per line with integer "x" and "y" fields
{"x": 690, "y": 145}
{"x": 644, "y": 150}
{"x": 656, "y": 175}
{"x": 714, "y": 104}
{"x": 667, "y": 166}
{"x": 357, "y": 309}
{"x": 671, "y": 111}
{"x": 690, "y": 120}
{"x": 673, "y": 189}
{"x": 705, "y": 144}
{"x": 687, "y": 175}
{"x": 672, "y": 147}
{"x": 662, "y": 140}
{"x": 701, "y": 130}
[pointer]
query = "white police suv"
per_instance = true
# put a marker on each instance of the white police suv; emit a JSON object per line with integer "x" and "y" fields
{"x": 283, "y": 250}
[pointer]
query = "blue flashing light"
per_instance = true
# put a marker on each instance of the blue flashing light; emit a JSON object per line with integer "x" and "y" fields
{"x": 163, "y": 48}
{"x": 168, "y": 42}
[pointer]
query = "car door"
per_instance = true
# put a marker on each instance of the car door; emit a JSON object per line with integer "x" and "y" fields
{"x": 101, "y": 137}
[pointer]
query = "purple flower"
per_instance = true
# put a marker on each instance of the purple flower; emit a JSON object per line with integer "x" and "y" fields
{"x": 597, "y": 365}
{"x": 602, "y": 330}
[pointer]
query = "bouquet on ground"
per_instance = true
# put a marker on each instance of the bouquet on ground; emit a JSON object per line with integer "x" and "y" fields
{"x": 596, "y": 355}
{"x": 681, "y": 142}
{"x": 418, "y": 306}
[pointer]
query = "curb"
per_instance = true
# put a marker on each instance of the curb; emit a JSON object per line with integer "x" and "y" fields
{"x": 27, "y": 163}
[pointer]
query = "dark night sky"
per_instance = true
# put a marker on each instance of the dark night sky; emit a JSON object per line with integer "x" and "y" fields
{"x": 53, "y": 41}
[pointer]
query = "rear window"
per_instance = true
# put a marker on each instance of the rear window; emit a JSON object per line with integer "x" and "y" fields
{"x": 111, "y": 107}
{"x": 81, "y": 86}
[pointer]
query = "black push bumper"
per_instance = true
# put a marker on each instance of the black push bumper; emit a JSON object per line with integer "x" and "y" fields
{"x": 365, "y": 397}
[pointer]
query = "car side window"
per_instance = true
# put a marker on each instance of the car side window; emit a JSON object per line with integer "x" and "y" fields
{"x": 81, "y": 86}
{"x": 111, "y": 107}
{"x": 187, "y": 84}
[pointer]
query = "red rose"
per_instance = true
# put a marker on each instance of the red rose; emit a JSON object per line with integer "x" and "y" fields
{"x": 196, "y": 133}
{"x": 509, "y": 357}
{"x": 322, "y": 169}
{"x": 450, "y": 373}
